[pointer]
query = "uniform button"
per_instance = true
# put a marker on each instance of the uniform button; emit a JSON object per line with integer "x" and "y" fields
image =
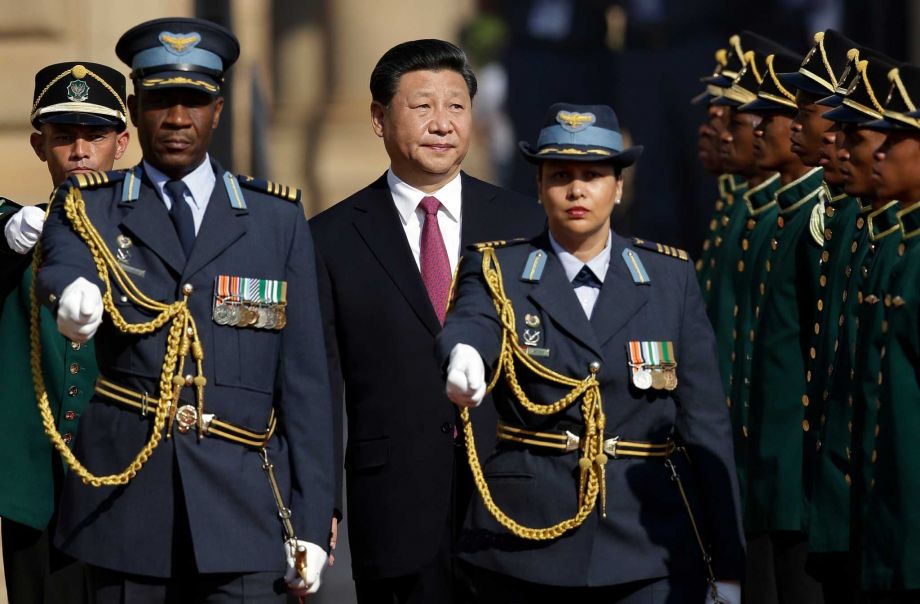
{"x": 850, "y": 401}
{"x": 780, "y": 222}
{"x": 817, "y": 328}
{"x": 818, "y": 446}
{"x": 123, "y": 299}
{"x": 850, "y": 426}
{"x": 718, "y": 241}
{"x": 848, "y": 271}
{"x": 825, "y": 256}
{"x": 734, "y": 334}
{"x": 708, "y": 284}
{"x": 52, "y": 298}
{"x": 75, "y": 346}
{"x": 860, "y": 222}
{"x": 73, "y": 391}
{"x": 823, "y": 280}
{"x": 872, "y": 248}
{"x": 733, "y": 360}
{"x": 876, "y": 430}
{"x": 447, "y": 428}
{"x": 74, "y": 368}
{"x": 805, "y": 425}
{"x": 719, "y": 205}
{"x": 812, "y": 352}
{"x": 828, "y": 234}
{"x": 725, "y": 221}
{"x": 70, "y": 415}
{"x": 741, "y": 266}
{"x": 805, "y": 399}
{"x": 763, "y": 288}
{"x": 751, "y": 223}
{"x": 713, "y": 224}
{"x": 841, "y": 320}
{"x": 836, "y": 345}
{"x": 774, "y": 244}
{"x": 735, "y": 311}
{"x": 844, "y": 296}
{"x": 745, "y": 245}
{"x": 829, "y": 211}
{"x": 820, "y": 304}
{"x": 756, "y": 312}
{"x": 744, "y": 430}
{"x": 594, "y": 366}
{"x": 68, "y": 437}
{"x": 865, "y": 272}
{"x": 902, "y": 249}
{"x": 848, "y": 480}
{"x": 854, "y": 246}
{"x": 712, "y": 263}
{"x": 874, "y": 455}
{"x": 769, "y": 266}
{"x": 884, "y": 326}
{"x": 887, "y": 300}
{"x": 751, "y": 335}
{"x": 808, "y": 376}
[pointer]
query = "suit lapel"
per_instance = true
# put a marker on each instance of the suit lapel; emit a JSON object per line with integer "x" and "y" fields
{"x": 555, "y": 295}
{"x": 148, "y": 220}
{"x": 620, "y": 298}
{"x": 221, "y": 226}
{"x": 378, "y": 224}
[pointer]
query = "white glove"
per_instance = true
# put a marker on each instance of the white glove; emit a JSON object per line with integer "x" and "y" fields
{"x": 729, "y": 593}
{"x": 79, "y": 310}
{"x": 316, "y": 563}
{"x": 24, "y": 228}
{"x": 466, "y": 376}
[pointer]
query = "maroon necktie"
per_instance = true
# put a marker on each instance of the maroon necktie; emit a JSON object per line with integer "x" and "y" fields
{"x": 433, "y": 258}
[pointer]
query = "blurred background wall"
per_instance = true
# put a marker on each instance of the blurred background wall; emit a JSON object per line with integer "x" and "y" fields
{"x": 298, "y": 97}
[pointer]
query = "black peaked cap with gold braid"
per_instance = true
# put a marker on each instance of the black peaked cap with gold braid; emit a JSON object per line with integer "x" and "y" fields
{"x": 744, "y": 87}
{"x": 901, "y": 102}
{"x": 772, "y": 96}
{"x": 712, "y": 91}
{"x": 866, "y": 93}
{"x": 820, "y": 71}
{"x": 850, "y": 72}
{"x": 79, "y": 92}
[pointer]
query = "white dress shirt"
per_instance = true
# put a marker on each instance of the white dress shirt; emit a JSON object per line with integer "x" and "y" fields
{"x": 572, "y": 266}
{"x": 407, "y": 199}
{"x": 199, "y": 184}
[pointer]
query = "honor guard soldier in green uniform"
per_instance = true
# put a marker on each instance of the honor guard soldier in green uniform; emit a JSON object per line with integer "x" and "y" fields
{"x": 886, "y": 499}
{"x": 833, "y": 408}
{"x": 203, "y": 471}
{"x": 728, "y": 63}
{"x": 758, "y": 200}
{"x": 783, "y": 304}
{"x": 728, "y": 244}
{"x": 79, "y": 115}
{"x": 814, "y": 140}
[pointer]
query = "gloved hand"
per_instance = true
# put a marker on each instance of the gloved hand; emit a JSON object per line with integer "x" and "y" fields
{"x": 79, "y": 310}
{"x": 466, "y": 376}
{"x": 729, "y": 593}
{"x": 24, "y": 228}
{"x": 316, "y": 564}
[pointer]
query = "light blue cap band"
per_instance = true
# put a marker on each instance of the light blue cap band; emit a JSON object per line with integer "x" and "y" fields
{"x": 158, "y": 55}
{"x": 590, "y": 136}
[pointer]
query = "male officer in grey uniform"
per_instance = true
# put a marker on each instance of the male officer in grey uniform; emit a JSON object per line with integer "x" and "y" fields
{"x": 211, "y": 331}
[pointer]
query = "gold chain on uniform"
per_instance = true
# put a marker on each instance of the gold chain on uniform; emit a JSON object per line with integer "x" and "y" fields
{"x": 182, "y": 339}
{"x": 591, "y": 465}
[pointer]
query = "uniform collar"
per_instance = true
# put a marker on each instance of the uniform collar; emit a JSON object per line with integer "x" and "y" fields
{"x": 794, "y": 195}
{"x": 884, "y": 221}
{"x": 909, "y": 219}
{"x": 572, "y": 265}
{"x": 200, "y": 181}
{"x": 406, "y": 197}
{"x": 763, "y": 194}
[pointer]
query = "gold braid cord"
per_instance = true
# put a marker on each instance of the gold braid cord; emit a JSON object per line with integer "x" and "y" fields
{"x": 593, "y": 460}
{"x": 182, "y": 339}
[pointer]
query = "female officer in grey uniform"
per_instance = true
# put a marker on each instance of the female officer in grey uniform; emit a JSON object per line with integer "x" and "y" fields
{"x": 613, "y": 478}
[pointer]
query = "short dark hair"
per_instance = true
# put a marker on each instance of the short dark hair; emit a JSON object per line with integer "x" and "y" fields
{"x": 418, "y": 55}
{"x": 617, "y": 169}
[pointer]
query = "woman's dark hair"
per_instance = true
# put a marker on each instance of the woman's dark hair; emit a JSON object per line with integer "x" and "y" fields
{"x": 418, "y": 55}
{"x": 617, "y": 170}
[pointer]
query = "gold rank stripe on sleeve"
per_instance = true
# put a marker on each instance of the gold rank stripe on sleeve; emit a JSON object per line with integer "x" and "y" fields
{"x": 91, "y": 179}
{"x": 272, "y": 188}
{"x": 666, "y": 250}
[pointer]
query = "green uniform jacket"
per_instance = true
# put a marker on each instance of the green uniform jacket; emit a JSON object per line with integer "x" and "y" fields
{"x": 892, "y": 528}
{"x": 758, "y": 229}
{"x": 787, "y": 306}
{"x": 27, "y": 485}
{"x": 722, "y": 296}
{"x": 730, "y": 188}
{"x": 830, "y": 407}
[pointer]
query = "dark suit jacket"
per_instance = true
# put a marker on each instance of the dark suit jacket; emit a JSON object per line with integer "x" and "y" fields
{"x": 231, "y": 510}
{"x": 647, "y": 531}
{"x": 380, "y": 329}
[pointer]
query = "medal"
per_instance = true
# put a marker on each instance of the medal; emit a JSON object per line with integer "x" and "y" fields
{"x": 670, "y": 378}
{"x": 233, "y": 313}
{"x": 657, "y": 379}
{"x": 220, "y": 313}
{"x": 642, "y": 378}
{"x": 281, "y": 319}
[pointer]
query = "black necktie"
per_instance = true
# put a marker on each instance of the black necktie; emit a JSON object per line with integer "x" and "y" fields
{"x": 181, "y": 215}
{"x": 586, "y": 277}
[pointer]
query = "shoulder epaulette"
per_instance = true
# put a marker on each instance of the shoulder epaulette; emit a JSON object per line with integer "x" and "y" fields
{"x": 272, "y": 188}
{"x": 92, "y": 180}
{"x": 667, "y": 250}
{"x": 479, "y": 247}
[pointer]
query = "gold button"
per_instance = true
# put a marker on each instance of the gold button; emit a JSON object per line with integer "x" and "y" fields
{"x": 718, "y": 241}
{"x": 74, "y": 368}
{"x": 843, "y": 296}
{"x": 887, "y": 300}
{"x": 713, "y": 224}
{"x": 769, "y": 266}
{"x": 848, "y": 480}
{"x": 850, "y": 426}
{"x": 763, "y": 288}
{"x": 780, "y": 222}
{"x": 808, "y": 376}
{"x": 756, "y": 312}
{"x": 825, "y": 256}
{"x": 818, "y": 446}
{"x": 774, "y": 244}
{"x": 823, "y": 280}
{"x": 734, "y": 334}
{"x": 876, "y": 430}
{"x": 865, "y": 272}
{"x": 75, "y": 345}
{"x": 719, "y": 205}
{"x": 52, "y": 298}
{"x": 751, "y": 223}
{"x": 902, "y": 249}
{"x": 820, "y": 304}
{"x": 848, "y": 271}
{"x": 70, "y": 415}
{"x": 817, "y": 328}
{"x": 745, "y": 245}
{"x": 68, "y": 437}
{"x": 73, "y": 391}
{"x": 751, "y": 335}
{"x": 860, "y": 223}
{"x": 735, "y": 311}
{"x": 828, "y": 234}
{"x": 884, "y": 326}
{"x": 805, "y": 425}
{"x": 829, "y": 211}
{"x": 725, "y": 221}
{"x": 733, "y": 360}
{"x": 850, "y": 401}
{"x": 741, "y": 266}
{"x": 708, "y": 284}
{"x": 874, "y": 455}
{"x": 805, "y": 399}
{"x": 744, "y": 430}
{"x": 836, "y": 345}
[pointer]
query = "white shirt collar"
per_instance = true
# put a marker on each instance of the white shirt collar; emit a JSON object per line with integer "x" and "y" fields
{"x": 408, "y": 197}
{"x": 573, "y": 265}
{"x": 198, "y": 180}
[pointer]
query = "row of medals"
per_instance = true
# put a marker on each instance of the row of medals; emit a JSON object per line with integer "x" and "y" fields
{"x": 660, "y": 377}
{"x": 245, "y": 314}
